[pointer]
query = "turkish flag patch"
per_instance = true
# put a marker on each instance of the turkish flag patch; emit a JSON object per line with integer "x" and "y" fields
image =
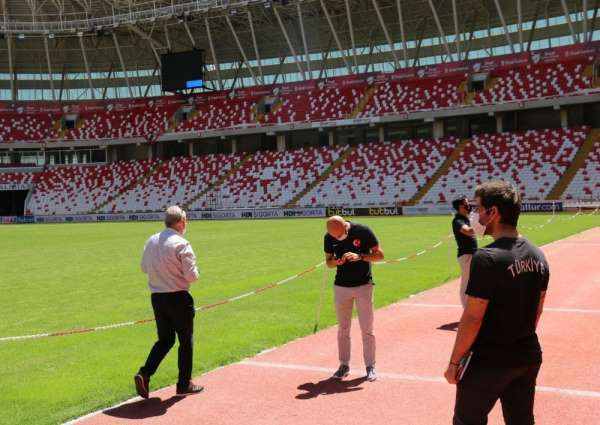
{"x": 356, "y": 242}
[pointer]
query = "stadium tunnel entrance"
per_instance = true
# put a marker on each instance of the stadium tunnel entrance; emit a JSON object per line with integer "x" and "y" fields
{"x": 12, "y": 202}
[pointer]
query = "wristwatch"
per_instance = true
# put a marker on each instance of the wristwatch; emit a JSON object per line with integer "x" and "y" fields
{"x": 361, "y": 257}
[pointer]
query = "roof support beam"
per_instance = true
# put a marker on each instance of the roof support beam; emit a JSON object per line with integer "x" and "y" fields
{"x": 584, "y": 21}
{"x": 440, "y": 29}
{"x": 11, "y": 67}
{"x": 168, "y": 38}
{"x": 256, "y": 52}
{"x": 49, "y": 63}
{"x": 212, "y": 52}
{"x": 323, "y": 69}
{"x": 155, "y": 53}
{"x": 471, "y": 34}
{"x": 105, "y": 91}
{"x": 351, "y": 29}
{"x": 535, "y": 19}
{"x": 371, "y": 48}
{"x": 335, "y": 36}
{"x": 385, "y": 32}
{"x": 154, "y": 72}
{"x": 87, "y": 66}
{"x": 303, "y": 33}
{"x": 520, "y": 18}
{"x": 506, "y": 33}
{"x": 189, "y": 33}
{"x": 456, "y": 31}
{"x": 281, "y": 61}
{"x": 62, "y": 82}
{"x": 568, "y": 18}
{"x": 237, "y": 41}
{"x": 402, "y": 32}
{"x": 122, "y": 62}
{"x": 155, "y": 43}
{"x": 289, "y": 42}
{"x": 593, "y": 25}
{"x": 423, "y": 27}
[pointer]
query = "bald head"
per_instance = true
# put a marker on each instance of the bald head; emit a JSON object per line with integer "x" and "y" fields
{"x": 337, "y": 227}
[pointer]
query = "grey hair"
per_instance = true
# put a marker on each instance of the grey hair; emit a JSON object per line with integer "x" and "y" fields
{"x": 174, "y": 215}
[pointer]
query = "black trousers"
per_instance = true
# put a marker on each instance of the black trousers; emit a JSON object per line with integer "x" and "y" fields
{"x": 174, "y": 313}
{"x": 481, "y": 387}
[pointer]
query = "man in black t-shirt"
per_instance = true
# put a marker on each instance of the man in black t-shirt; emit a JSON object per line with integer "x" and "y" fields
{"x": 505, "y": 298}
{"x": 351, "y": 247}
{"x": 465, "y": 240}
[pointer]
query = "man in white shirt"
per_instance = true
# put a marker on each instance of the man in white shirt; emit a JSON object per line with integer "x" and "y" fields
{"x": 170, "y": 264}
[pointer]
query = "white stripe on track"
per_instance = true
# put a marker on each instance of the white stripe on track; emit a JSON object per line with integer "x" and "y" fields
{"x": 552, "y": 309}
{"x": 408, "y": 377}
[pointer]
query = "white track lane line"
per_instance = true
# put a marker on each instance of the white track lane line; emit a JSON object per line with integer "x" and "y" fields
{"x": 407, "y": 377}
{"x": 552, "y": 309}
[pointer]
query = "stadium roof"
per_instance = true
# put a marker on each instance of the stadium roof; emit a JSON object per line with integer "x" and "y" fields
{"x": 88, "y": 44}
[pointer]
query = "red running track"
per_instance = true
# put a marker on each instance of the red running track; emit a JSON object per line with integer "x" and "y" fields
{"x": 290, "y": 386}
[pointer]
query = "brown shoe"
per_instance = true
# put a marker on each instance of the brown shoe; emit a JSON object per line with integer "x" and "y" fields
{"x": 142, "y": 385}
{"x": 190, "y": 389}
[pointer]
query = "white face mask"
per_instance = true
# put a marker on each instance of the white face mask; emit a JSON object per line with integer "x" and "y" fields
{"x": 476, "y": 225}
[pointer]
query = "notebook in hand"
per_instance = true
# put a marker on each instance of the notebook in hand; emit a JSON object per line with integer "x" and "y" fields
{"x": 463, "y": 365}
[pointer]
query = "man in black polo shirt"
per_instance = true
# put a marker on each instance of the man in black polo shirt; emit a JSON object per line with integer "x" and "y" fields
{"x": 505, "y": 298}
{"x": 351, "y": 247}
{"x": 465, "y": 240}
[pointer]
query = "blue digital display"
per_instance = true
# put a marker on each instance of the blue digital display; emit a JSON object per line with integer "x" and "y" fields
{"x": 194, "y": 84}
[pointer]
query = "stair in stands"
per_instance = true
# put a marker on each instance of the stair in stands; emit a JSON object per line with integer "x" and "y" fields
{"x": 469, "y": 96}
{"x": 292, "y": 203}
{"x": 218, "y": 183}
{"x": 366, "y": 97}
{"x": 440, "y": 172}
{"x": 579, "y": 160}
{"x": 140, "y": 180}
{"x": 491, "y": 83}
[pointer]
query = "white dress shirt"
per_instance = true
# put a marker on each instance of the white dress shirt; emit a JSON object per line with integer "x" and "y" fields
{"x": 169, "y": 262}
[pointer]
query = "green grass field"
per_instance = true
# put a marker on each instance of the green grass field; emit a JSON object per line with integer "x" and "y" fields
{"x": 60, "y": 277}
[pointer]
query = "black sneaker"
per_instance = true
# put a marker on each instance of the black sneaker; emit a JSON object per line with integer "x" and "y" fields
{"x": 371, "y": 374}
{"x": 342, "y": 372}
{"x": 190, "y": 389}
{"x": 142, "y": 385}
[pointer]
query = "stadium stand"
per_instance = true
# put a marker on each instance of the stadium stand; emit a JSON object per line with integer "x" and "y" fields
{"x": 220, "y": 111}
{"x": 149, "y": 122}
{"x": 24, "y": 127}
{"x": 17, "y": 178}
{"x": 535, "y": 82}
{"x": 557, "y": 163}
{"x": 80, "y": 189}
{"x": 324, "y": 102}
{"x": 532, "y": 160}
{"x": 386, "y": 173}
{"x": 271, "y": 179}
{"x": 586, "y": 183}
{"x": 175, "y": 182}
{"x": 414, "y": 95}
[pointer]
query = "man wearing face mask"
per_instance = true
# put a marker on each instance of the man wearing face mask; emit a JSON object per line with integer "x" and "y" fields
{"x": 170, "y": 263}
{"x": 352, "y": 247}
{"x": 465, "y": 240}
{"x": 505, "y": 299}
